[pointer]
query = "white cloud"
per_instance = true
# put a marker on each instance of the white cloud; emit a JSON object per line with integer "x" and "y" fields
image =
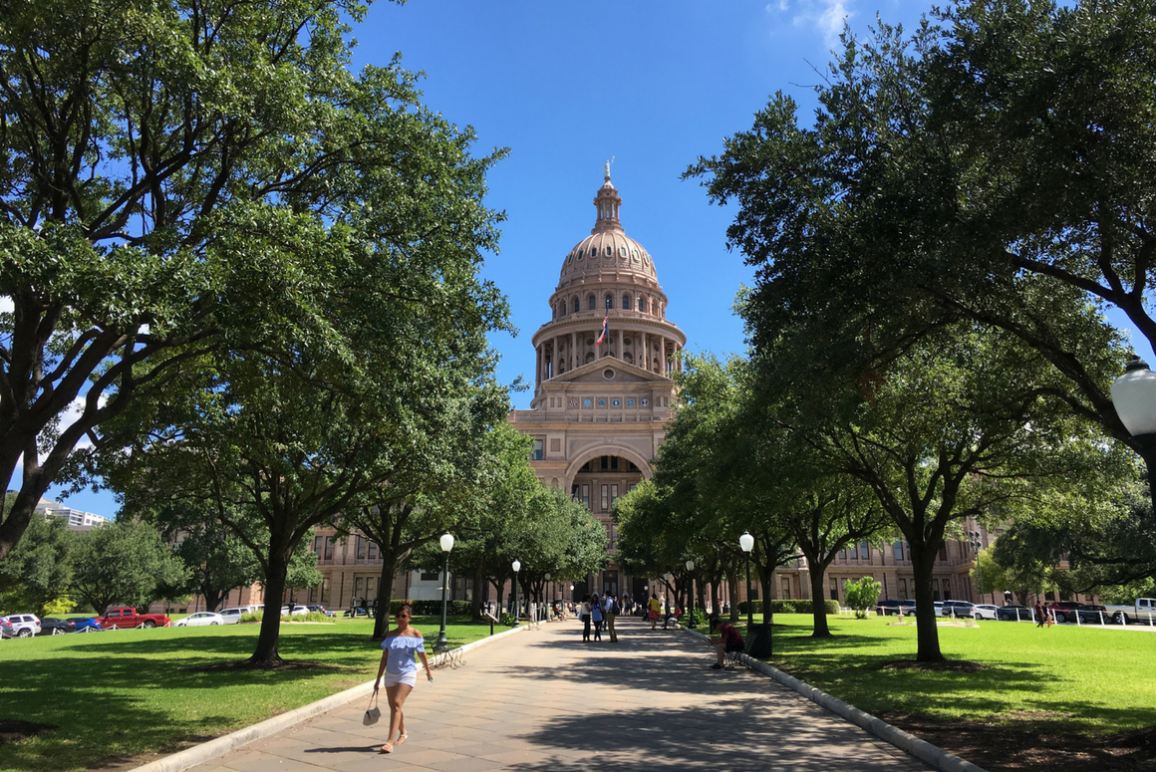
{"x": 6, "y": 305}
{"x": 824, "y": 16}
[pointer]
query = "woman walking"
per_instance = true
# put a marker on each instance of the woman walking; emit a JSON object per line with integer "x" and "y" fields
{"x": 584, "y": 613}
{"x": 400, "y": 672}
{"x": 599, "y": 614}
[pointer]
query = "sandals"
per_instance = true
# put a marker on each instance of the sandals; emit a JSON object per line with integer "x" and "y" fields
{"x": 400, "y": 739}
{"x": 387, "y": 748}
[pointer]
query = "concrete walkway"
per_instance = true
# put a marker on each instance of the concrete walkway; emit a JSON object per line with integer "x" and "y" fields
{"x": 543, "y": 700}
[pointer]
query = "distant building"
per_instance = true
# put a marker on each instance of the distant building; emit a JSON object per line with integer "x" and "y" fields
{"x": 76, "y": 520}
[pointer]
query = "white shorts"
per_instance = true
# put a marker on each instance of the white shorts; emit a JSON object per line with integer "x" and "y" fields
{"x": 393, "y": 679}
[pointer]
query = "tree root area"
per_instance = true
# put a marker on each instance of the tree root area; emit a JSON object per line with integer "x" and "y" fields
{"x": 278, "y": 665}
{"x": 1040, "y": 747}
{"x": 950, "y": 666}
{"x": 13, "y": 730}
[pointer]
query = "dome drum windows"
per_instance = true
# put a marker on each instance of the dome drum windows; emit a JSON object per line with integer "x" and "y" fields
{"x": 642, "y": 304}
{"x": 609, "y": 301}
{"x": 592, "y": 302}
{"x": 625, "y": 302}
{"x": 577, "y": 305}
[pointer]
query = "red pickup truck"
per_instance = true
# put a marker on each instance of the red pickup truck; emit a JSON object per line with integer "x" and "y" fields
{"x": 126, "y": 616}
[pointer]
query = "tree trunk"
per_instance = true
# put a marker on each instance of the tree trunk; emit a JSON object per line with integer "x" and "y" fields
{"x": 479, "y": 583}
{"x": 384, "y": 593}
{"x": 926, "y": 629}
{"x": 213, "y": 598}
{"x": 714, "y": 598}
{"x": 767, "y": 579}
{"x": 265, "y": 655}
{"x": 733, "y": 581}
{"x": 818, "y": 602}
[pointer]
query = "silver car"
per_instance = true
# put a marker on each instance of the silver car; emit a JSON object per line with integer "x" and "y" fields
{"x": 24, "y": 625}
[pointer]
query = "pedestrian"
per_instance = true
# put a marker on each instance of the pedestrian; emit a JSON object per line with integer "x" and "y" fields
{"x": 612, "y": 611}
{"x": 400, "y": 671}
{"x": 653, "y": 606}
{"x": 1041, "y": 615}
{"x": 584, "y": 615}
{"x": 598, "y": 614}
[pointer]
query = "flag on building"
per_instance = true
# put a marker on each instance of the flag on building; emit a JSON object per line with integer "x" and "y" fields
{"x": 605, "y": 329}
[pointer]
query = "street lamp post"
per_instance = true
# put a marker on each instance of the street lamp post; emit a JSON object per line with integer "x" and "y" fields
{"x": 447, "y": 544}
{"x": 546, "y": 591}
{"x": 977, "y": 545}
{"x": 1134, "y": 397}
{"x": 747, "y": 542}
{"x": 517, "y": 566}
{"x": 690, "y": 570}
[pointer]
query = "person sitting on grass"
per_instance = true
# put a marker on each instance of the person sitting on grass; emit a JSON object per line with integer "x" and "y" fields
{"x": 675, "y": 614}
{"x": 731, "y": 640}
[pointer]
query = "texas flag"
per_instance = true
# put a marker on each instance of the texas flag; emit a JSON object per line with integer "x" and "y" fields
{"x": 605, "y": 329}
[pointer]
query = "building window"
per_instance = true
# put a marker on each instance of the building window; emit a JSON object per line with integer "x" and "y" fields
{"x": 329, "y": 548}
{"x": 360, "y": 548}
{"x": 317, "y": 542}
{"x": 834, "y": 589}
{"x": 943, "y": 551}
{"x": 605, "y": 498}
{"x": 577, "y": 306}
{"x": 372, "y": 551}
{"x": 632, "y": 486}
{"x": 614, "y": 462}
{"x": 625, "y": 302}
{"x": 642, "y": 305}
{"x": 865, "y": 550}
{"x": 586, "y": 495}
{"x": 604, "y": 462}
{"x": 902, "y": 588}
{"x": 537, "y": 454}
{"x": 609, "y": 301}
{"x": 898, "y": 549}
{"x": 854, "y": 554}
{"x": 591, "y": 302}
{"x": 935, "y": 590}
{"x": 785, "y": 592}
{"x": 842, "y": 554}
{"x": 613, "y": 494}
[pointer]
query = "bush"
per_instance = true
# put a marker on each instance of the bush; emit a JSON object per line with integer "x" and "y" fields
{"x": 252, "y": 616}
{"x": 792, "y": 606}
{"x": 431, "y": 607}
{"x": 862, "y": 595}
{"x": 507, "y": 620}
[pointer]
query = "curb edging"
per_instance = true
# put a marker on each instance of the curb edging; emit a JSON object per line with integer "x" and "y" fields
{"x": 904, "y": 741}
{"x": 198, "y": 754}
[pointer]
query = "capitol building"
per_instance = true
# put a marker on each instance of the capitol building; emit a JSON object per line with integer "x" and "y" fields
{"x": 603, "y": 390}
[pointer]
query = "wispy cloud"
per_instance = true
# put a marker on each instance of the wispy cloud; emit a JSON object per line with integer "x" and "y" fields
{"x": 824, "y": 16}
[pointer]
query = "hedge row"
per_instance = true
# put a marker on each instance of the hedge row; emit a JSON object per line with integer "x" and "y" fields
{"x": 798, "y": 606}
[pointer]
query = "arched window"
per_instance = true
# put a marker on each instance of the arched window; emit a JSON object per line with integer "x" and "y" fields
{"x": 590, "y": 357}
{"x": 592, "y": 303}
{"x": 625, "y": 302}
{"x": 577, "y": 305}
{"x": 642, "y": 305}
{"x": 609, "y": 301}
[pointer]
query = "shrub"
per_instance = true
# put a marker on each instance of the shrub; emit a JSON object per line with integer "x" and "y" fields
{"x": 252, "y": 616}
{"x": 507, "y": 620}
{"x": 862, "y": 595}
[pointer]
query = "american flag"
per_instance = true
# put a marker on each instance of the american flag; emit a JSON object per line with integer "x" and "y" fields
{"x": 605, "y": 329}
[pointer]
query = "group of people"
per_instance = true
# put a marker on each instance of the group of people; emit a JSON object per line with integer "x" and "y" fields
{"x": 596, "y": 612}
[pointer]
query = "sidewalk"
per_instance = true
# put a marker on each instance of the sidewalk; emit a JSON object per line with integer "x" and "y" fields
{"x": 543, "y": 700}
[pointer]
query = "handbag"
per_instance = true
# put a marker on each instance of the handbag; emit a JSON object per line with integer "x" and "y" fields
{"x": 373, "y": 713}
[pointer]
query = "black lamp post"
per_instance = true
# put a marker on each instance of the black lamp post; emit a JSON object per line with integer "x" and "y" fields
{"x": 517, "y": 566}
{"x": 1134, "y": 396}
{"x": 690, "y": 570}
{"x": 747, "y": 542}
{"x": 443, "y": 644}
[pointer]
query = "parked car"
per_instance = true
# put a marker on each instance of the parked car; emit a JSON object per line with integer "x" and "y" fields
{"x": 200, "y": 619}
{"x": 6, "y": 630}
{"x": 232, "y": 616}
{"x": 296, "y": 611}
{"x": 1092, "y": 614}
{"x": 317, "y": 608}
{"x": 126, "y": 617}
{"x": 25, "y": 625}
{"x": 1143, "y": 610}
{"x": 54, "y": 626}
{"x": 1013, "y": 613}
{"x": 888, "y": 607}
{"x": 956, "y": 609}
{"x": 1063, "y": 610}
{"x": 85, "y": 625}
{"x": 984, "y": 611}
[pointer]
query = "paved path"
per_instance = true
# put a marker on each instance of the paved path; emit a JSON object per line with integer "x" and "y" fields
{"x": 543, "y": 700}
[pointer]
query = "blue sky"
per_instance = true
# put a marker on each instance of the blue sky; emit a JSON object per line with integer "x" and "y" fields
{"x": 567, "y": 86}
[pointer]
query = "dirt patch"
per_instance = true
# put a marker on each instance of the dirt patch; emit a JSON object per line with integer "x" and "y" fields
{"x": 1039, "y": 741}
{"x": 951, "y": 666}
{"x": 13, "y": 730}
{"x": 283, "y": 665}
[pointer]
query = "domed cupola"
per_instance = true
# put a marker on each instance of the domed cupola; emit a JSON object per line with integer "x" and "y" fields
{"x": 608, "y": 254}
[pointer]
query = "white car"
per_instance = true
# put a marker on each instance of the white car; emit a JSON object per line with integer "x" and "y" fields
{"x": 985, "y": 611}
{"x": 232, "y": 616}
{"x": 24, "y": 625}
{"x": 200, "y": 619}
{"x": 297, "y": 611}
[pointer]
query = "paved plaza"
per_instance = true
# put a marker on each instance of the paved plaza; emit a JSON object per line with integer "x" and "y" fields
{"x": 543, "y": 700}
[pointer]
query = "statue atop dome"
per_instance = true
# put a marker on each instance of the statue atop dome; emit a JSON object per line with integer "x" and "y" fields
{"x": 606, "y": 169}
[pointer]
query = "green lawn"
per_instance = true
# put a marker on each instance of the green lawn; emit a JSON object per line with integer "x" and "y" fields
{"x": 1085, "y": 679}
{"x": 117, "y": 694}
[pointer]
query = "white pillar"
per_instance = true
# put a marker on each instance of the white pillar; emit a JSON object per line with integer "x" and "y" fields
{"x": 645, "y": 363}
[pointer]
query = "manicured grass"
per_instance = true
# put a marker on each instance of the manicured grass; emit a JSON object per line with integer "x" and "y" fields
{"x": 117, "y": 694}
{"x": 1083, "y": 679}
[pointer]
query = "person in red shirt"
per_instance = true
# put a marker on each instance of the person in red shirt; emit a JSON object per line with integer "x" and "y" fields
{"x": 730, "y": 640}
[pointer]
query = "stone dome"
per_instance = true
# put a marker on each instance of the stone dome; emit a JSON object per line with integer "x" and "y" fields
{"x": 608, "y": 250}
